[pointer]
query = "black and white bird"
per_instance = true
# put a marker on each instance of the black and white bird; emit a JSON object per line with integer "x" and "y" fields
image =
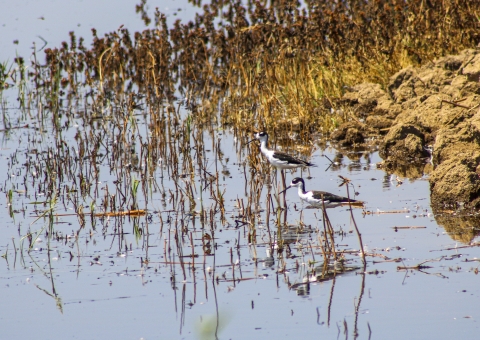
{"x": 320, "y": 198}
{"x": 278, "y": 159}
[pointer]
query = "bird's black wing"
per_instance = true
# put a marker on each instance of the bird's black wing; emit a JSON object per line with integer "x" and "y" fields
{"x": 332, "y": 198}
{"x": 284, "y": 157}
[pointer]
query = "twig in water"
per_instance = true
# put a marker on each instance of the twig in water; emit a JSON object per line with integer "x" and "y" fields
{"x": 409, "y": 227}
{"x": 420, "y": 266}
{"x": 362, "y": 252}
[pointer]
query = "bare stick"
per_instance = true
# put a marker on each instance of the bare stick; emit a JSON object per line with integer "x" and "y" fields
{"x": 362, "y": 253}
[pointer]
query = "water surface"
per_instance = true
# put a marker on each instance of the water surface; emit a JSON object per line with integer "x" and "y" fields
{"x": 121, "y": 276}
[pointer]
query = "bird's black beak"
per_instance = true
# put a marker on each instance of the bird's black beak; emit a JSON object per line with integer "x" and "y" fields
{"x": 253, "y": 140}
{"x": 281, "y": 192}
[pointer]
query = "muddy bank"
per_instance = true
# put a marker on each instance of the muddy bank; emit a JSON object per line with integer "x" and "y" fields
{"x": 427, "y": 116}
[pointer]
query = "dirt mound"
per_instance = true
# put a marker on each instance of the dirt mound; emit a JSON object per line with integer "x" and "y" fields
{"x": 435, "y": 107}
{"x": 350, "y": 133}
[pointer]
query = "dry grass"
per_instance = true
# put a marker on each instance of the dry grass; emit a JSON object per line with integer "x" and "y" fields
{"x": 274, "y": 67}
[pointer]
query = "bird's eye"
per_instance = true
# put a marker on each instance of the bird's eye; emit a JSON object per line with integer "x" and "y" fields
{"x": 262, "y": 134}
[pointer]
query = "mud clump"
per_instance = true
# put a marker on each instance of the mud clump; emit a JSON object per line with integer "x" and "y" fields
{"x": 404, "y": 142}
{"x": 350, "y": 133}
{"x": 457, "y": 177}
{"x": 429, "y": 115}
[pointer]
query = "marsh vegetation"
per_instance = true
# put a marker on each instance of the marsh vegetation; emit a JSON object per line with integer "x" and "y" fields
{"x": 131, "y": 154}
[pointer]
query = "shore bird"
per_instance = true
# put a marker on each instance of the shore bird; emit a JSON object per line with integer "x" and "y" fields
{"x": 319, "y": 198}
{"x": 278, "y": 159}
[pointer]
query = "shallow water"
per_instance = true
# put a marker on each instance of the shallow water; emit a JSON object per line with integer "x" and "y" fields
{"x": 26, "y": 23}
{"x": 95, "y": 283}
{"x": 112, "y": 294}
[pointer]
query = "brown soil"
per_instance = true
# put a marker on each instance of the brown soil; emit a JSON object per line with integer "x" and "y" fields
{"x": 436, "y": 105}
